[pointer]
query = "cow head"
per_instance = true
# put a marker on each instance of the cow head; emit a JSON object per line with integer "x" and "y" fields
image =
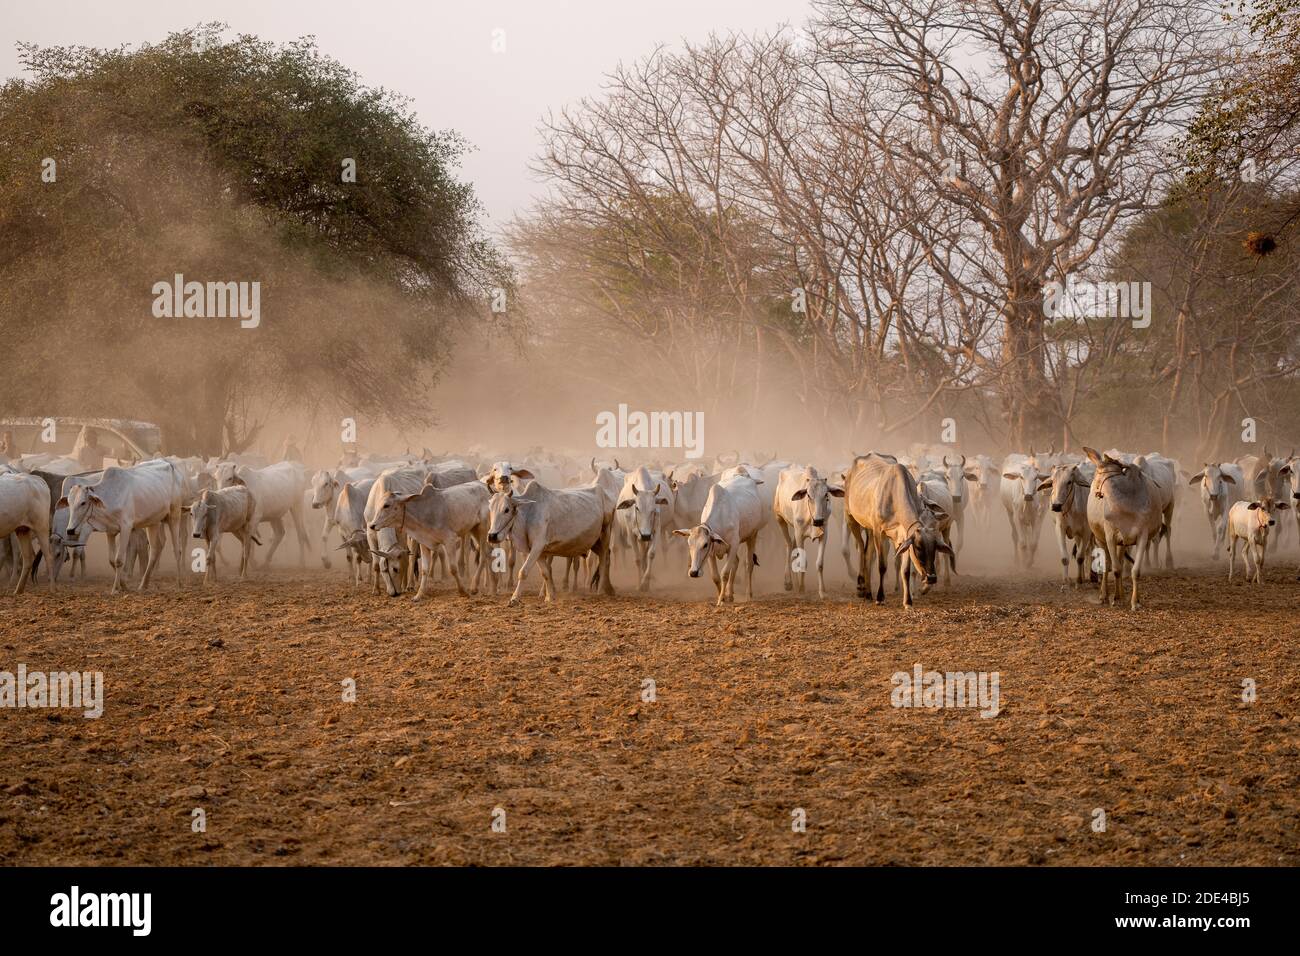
{"x": 392, "y": 508}
{"x": 1261, "y": 513}
{"x": 1030, "y": 478}
{"x": 701, "y": 542}
{"x": 224, "y": 473}
{"x": 202, "y": 512}
{"x": 324, "y": 489}
{"x": 816, "y": 494}
{"x": 1212, "y": 480}
{"x": 922, "y": 547}
{"x": 1063, "y": 483}
{"x": 502, "y": 476}
{"x": 645, "y": 504}
{"x": 86, "y": 510}
{"x": 503, "y": 509}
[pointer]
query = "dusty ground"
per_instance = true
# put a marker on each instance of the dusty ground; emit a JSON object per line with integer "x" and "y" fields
{"x": 231, "y": 701}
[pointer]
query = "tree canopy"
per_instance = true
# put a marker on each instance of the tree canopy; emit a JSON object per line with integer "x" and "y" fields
{"x": 227, "y": 159}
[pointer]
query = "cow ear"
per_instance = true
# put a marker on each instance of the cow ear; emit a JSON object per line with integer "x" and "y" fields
{"x": 662, "y": 501}
{"x": 1282, "y": 506}
{"x": 898, "y": 551}
{"x": 1252, "y": 506}
{"x": 970, "y": 476}
{"x": 799, "y": 495}
{"x": 1010, "y": 475}
{"x": 835, "y": 492}
{"x": 1092, "y": 455}
{"x": 717, "y": 539}
{"x": 627, "y": 503}
{"x": 1043, "y": 486}
{"x": 684, "y": 532}
{"x": 1229, "y": 479}
{"x": 523, "y": 473}
{"x": 1197, "y": 478}
{"x": 61, "y": 503}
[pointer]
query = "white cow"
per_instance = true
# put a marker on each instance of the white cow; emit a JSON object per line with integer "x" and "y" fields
{"x": 221, "y": 511}
{"x": 734, "y": 513}
{"x": 277, "y": 491}
{"x": 149, "y": 496}
{"x": 350, "y": 518}
{"x": 25, "y": 513}
{"x": 645, "y": 504}
{"x": 1222, "y": 485}
{"x": 1023, "y": 503}
{"x": 802, "y": 506}
{"x": 543, "y": 524}
{"x": 438, "y": 518}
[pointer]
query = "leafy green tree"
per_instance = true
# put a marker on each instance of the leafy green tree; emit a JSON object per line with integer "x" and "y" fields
{"x": 228, "y": 159}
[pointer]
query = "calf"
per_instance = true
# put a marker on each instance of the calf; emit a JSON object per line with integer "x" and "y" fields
{"x": 1249, "y": 522}
{"x": 224, "y": 511}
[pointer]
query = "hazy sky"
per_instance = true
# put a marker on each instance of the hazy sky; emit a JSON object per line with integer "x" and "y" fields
{"x": 438, "y": 52}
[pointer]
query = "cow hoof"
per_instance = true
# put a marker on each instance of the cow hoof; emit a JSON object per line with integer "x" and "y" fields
{"x": 326, "y": 562}
{"x": 513, "y": 602}
{"x": 789, "y": 586}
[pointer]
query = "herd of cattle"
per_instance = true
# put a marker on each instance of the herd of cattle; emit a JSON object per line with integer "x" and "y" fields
{"x": 402, "y": 520}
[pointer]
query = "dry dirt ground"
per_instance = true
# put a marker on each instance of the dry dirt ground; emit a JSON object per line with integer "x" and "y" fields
{"x": 230, "y": 700}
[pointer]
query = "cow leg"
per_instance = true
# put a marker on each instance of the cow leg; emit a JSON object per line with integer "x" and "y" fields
{"x": 1136, "y": 572}
{"x": 821, "y": 567}
{"x": 1063, "y": 544}
{"x": 789, "y": 552}
{"x": 548, "y": 582}
{"x": 426, "y": 571}
{"x": 753, "y": 560}
{"x": 480, "y": 538}
{"x": 325, "y": 535}
{"x": 713, "y": 570}
{"x": 155, "y": 534}
{"x": 905, "y": 573}
{"x": 300, "y": 528}
{"x": 116, "y": 557}
{"x": 42, "y": 540}
{"x": 1260, "y": 552}
{"x": 1232, "y": 555}
{"x": 882, "y": 566}
{"x": 277, "y": 530}
{"x": 530, "y": 559}
{"x": 25, "y": 554}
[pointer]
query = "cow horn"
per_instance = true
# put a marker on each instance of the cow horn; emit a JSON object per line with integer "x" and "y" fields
{"x": 945, "y": 462}
{"x": 593, "y": 463}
